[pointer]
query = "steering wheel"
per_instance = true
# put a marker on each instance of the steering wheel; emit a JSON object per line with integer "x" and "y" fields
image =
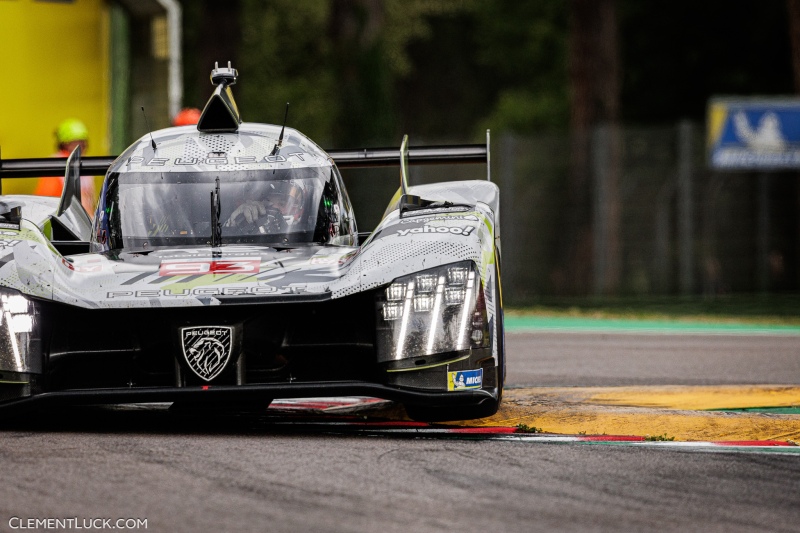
{"x": 271, "y": 221}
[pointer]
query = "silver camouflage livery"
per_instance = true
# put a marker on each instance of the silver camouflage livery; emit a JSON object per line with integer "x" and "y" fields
{"x": 223, "y": 266}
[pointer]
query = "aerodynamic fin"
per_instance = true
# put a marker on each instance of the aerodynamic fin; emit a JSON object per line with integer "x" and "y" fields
{"x": 404, "y": 165}
{"x": 10, "y": 212}
{"x": 407, "y": 201}
{"x": 70, "y": 214}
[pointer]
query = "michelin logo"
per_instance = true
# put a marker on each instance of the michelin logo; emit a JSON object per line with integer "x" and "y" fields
{"x": 465, "y": 379}
{"x": 439, "y": 229}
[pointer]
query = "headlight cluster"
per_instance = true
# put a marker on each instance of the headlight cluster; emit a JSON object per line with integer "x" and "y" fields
{"x": 19, "y": 334}
{"x": 434, "y": 311}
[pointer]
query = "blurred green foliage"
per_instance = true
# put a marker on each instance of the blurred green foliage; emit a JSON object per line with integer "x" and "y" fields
{"x": 677, "y": 54}
{"x": 364, "y": 71}
{"x": 525, "y": 45}
{"x": 770, "y": 307}
{"x": 285, "y": 57}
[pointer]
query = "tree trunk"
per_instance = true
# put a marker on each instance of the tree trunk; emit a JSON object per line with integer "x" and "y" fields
{"x": 594, "y": 78}
{"x": 218, "y": 40}
{"x": 365, "y": 92}
{"x": 793, "y": 9}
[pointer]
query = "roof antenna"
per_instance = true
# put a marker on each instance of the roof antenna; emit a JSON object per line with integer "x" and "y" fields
{"x": 152, "y": 141}
{"x": 280, "y": 137}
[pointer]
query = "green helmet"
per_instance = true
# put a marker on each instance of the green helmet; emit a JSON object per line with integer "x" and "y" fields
{"x": 70, "y": 130}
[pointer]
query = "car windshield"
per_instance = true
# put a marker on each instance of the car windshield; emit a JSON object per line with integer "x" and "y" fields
{"x": 148, "y": 209}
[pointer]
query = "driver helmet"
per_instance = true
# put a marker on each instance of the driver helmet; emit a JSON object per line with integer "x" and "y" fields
{"x": 288, "y": 197}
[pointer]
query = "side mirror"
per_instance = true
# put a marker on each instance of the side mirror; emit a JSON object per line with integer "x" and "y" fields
{"x": 10, "y": 215}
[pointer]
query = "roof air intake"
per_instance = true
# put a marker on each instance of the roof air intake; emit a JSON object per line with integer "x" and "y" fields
{"x": 221, "y": 113}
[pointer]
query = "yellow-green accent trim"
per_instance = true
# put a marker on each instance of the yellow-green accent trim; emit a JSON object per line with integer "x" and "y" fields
{"x": 423, "y": 367}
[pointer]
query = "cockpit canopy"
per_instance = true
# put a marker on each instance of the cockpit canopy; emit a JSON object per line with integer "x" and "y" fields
{"x": 143, "y": 207}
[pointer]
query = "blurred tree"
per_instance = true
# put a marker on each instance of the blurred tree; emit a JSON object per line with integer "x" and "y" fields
{"x": 372, "y": 61}
{"x": 364, "y": 65}
{"x": 286, "y": 57}
{"x": 523, "y": 47}
{"x": 592, "y": 238}
{"x": 210, "y": 33}
{"x": 793, "y": 10}
{"x": 338, "y": 63}
{"x": 364, "y": 87}
{"x": 679, "y": 53}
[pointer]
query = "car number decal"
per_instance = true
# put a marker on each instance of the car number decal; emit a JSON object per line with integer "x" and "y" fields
{"x": 209, "y": 266}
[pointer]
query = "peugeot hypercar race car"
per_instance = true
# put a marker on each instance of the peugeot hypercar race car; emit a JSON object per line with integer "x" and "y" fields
{"x": 223, "y": 266}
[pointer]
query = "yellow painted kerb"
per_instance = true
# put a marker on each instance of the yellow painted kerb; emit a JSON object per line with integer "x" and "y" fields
{"x": 677, "y": 412}
{"x": 698, "y": 398}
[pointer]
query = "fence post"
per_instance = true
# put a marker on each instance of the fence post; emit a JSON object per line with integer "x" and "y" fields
{"x": 762, "y": 233}
{"x": 508, "y": 213}
{"x": 685, "y": 209}
{"x": 600, "y": 164}
{"x": 662, "y": 262}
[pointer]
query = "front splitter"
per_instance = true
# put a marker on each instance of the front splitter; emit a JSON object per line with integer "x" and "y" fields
{"x": 250, "y": 393}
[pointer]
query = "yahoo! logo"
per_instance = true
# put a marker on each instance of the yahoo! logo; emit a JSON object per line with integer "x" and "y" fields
{"x": 438, "y": 229}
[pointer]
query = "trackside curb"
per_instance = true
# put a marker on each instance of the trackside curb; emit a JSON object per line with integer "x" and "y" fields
{"x": 654, "y": 415}
{"x": 679, "y": 413}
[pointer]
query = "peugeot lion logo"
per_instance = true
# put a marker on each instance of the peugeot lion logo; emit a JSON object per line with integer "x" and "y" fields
{"x": 207, "y": 349}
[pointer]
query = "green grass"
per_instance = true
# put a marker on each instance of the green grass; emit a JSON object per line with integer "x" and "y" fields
{"x": 658, "y": 438}
{"x": 524, "y": 428}
{"x": 783, "y": 308}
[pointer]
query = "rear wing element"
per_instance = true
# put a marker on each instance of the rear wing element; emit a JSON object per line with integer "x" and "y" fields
{"x": 417, "y": 155}
{"x": 361, "y": 158}
{"x": 52, "y": 167}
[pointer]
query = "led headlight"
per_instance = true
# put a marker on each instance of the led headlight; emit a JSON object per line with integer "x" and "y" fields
{"x": 395, "y": 292}
{"x": 425, "y": 283}
{"x": 392, "y": 310}
{"x": 437, "y": 311}
{"x": 457, "y": 275}
{"x": 20, "y": 344}
{"x": 424, "y": 303}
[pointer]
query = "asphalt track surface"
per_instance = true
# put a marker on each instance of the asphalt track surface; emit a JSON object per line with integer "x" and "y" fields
{"x": 561, "y": 359}
{"x": 238, "y": 474}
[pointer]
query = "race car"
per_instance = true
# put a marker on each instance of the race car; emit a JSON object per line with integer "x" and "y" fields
{"x": 223, "y": 267}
